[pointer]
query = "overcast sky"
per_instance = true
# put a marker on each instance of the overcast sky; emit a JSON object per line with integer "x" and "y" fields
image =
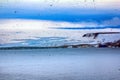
{"x": 60, "y": 10}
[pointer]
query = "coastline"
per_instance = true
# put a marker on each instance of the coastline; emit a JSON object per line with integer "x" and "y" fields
{"x": 115, "y": 44}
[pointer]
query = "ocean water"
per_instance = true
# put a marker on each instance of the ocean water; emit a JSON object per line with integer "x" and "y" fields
{"x": 60, "y": 64}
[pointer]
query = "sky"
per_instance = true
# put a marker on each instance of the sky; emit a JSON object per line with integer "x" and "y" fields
{"x": 81, "y": 12}
{"x": 60, "y": 10}
{"x": 26, "y": 22}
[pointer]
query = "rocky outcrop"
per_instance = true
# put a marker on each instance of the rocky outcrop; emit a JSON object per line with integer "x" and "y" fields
{"x": 110, "y": 44}
{"x": 95, "y": 35}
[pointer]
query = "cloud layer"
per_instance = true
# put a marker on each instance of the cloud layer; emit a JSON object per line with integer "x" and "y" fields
{"x": 42, "y": 24}
{"x": 59, "y": 10}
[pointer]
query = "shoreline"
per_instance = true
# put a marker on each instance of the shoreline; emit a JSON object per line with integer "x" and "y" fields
{"x": 115, "y": 44}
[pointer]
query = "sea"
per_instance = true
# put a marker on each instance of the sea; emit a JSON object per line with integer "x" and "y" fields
{"x": 60, "y": 64}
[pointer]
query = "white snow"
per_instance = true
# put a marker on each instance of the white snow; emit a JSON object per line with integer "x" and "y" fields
{"x": 39, "y": 33}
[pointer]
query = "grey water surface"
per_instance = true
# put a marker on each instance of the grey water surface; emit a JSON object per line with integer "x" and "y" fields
{"x": 60, "y": 64}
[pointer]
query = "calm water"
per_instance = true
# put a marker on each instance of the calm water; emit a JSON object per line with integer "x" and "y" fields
{"x": 60, "y": 64}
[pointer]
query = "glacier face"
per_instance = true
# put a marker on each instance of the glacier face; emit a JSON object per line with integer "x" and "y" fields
{"x": 42, "y": 34}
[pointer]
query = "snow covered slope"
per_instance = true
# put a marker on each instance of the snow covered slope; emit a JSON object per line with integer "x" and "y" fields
{"x": 42, "y": 34}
